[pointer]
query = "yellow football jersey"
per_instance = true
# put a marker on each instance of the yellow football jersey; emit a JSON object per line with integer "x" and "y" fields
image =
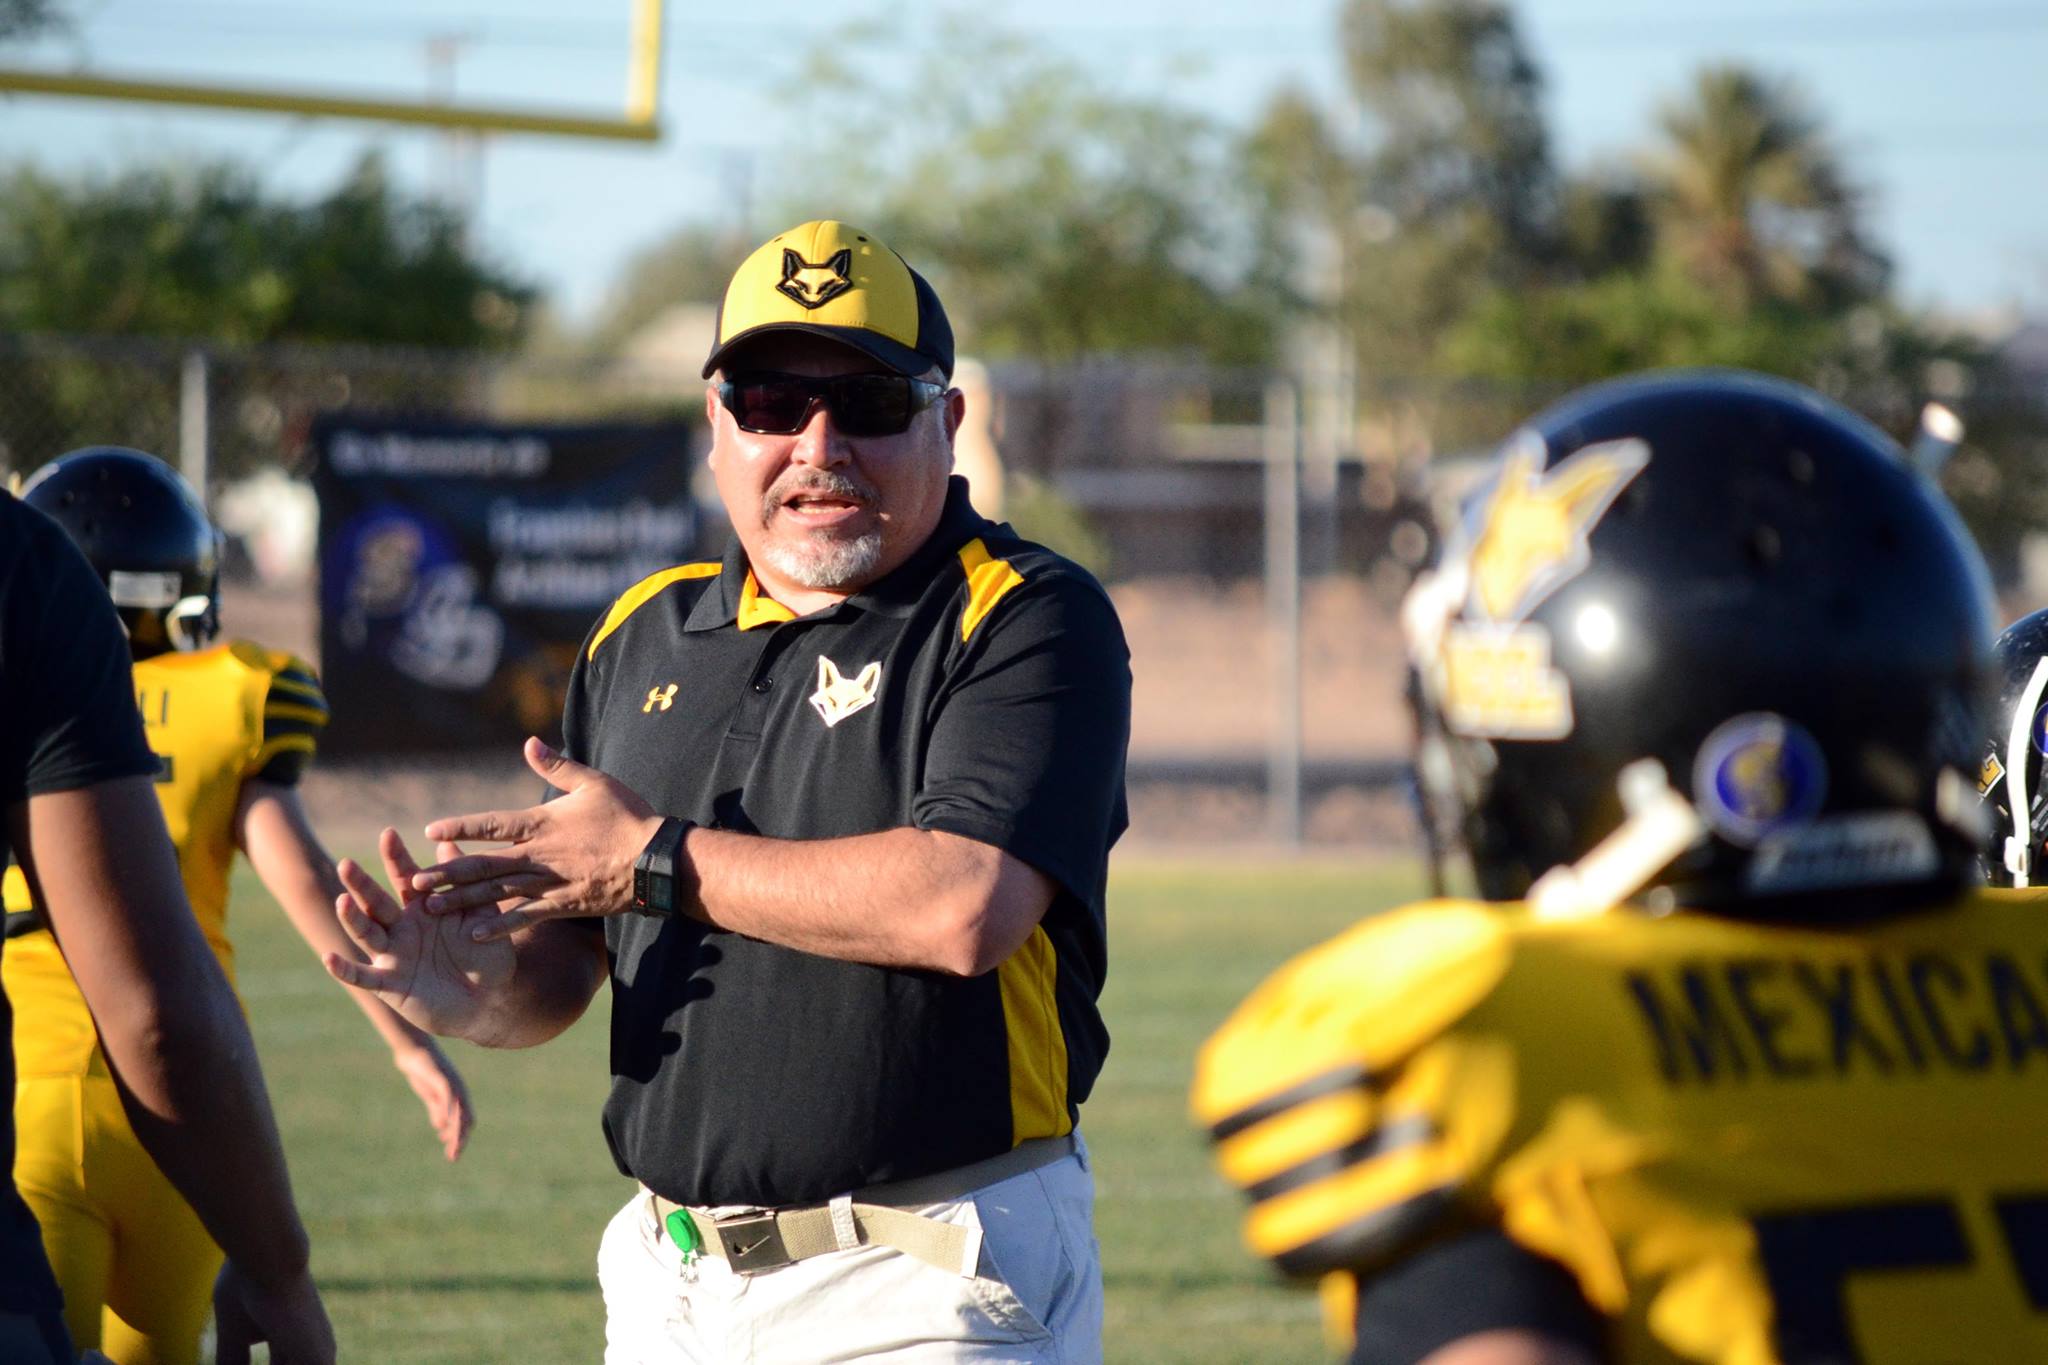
{"x": 1750, "y": 1144}
{"x": 216, "y": 717}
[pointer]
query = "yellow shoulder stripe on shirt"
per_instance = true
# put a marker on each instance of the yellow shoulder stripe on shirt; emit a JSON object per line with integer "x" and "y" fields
{"x": 638, "y": 595}
{"x": 988, "y": 579}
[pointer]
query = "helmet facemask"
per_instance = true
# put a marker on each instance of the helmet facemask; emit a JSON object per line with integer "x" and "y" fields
{"x": 2012, "y": 774}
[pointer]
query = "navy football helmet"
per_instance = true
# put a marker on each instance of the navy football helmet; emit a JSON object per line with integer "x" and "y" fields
{"x": 1706, "y": 639}
{"x": 147, "y": 535}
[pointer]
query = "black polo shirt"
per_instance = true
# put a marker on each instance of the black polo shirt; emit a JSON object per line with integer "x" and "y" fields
{"x": 982, "y": 688}
{"x": 70, "y": 722}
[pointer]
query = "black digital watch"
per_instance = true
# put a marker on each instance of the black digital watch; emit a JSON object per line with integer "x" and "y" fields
{"x": 655, "y": 871}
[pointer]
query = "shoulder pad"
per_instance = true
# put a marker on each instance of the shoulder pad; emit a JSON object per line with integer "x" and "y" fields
{"x": 294, "y": 711}
{"x": 251, "y": 655}
{"x": 1361, "y": 1001}
{"x": 1332, "y": 1094}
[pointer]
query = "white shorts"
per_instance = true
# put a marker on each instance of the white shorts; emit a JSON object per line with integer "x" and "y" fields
{"x": 1036, "y": 1296}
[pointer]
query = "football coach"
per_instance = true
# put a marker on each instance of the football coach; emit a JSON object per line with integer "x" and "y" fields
{"x": 834, "y": 820}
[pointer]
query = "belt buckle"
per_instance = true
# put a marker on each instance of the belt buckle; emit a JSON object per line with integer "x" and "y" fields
{"x": 752, "y": 1243}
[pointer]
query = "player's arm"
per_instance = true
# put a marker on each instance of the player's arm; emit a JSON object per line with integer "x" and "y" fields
{"x": 101, "y": 866}
{"x": 272, "y": 830}
{"x": 1364, "y": 1130}
{"x": 1476, "y": 1297}
{"x": 1023, "y": 779}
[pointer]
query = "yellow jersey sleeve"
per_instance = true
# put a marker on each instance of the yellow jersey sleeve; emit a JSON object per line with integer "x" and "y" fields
{"x": 1341, "y": 1104}
{"x": 294, "y": 711}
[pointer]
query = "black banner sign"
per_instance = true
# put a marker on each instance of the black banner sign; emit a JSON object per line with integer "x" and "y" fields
{"x": 461, "y": 565}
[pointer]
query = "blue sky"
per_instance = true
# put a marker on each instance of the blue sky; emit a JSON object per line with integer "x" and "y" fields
{"x": 1936, "y": 106}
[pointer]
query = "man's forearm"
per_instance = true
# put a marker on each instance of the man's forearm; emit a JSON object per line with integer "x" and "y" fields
{"x": 900, "y": 897}
{"x": 897, "y": 898}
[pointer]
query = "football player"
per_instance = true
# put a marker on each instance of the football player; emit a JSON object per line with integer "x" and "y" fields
{"x": 1730, "y": 1063}
{"x": 2009, "y": 771}
{"x": 234, "y": 725}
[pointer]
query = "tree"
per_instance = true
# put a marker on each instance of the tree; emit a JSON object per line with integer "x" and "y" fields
{"x": 1445, "y": 188}
{"x": 1740, "y": 241}
{"x": 1060, "y": 218}
{"x": 1751, "y": 200}
{"x": 204, "y": 254}
{"x": 690, "y": 265}
{"x": 1456, "y": 107}
{"x": 30, "y": 18}
{"x": 1628, "y": 320}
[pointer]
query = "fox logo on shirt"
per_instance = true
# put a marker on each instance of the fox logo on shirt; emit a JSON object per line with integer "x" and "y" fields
{"x": 815, "y": 283}
{"x": 839, "y": 696}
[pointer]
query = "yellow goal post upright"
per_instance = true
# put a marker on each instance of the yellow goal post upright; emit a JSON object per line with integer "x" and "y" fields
{"x": 641, "y": 122}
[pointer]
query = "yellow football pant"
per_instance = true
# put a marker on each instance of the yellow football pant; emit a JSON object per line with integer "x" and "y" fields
{"x": 136, "y": 1264}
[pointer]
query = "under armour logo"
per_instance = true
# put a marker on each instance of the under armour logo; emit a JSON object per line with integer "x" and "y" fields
{"x": 663, "y": 697}
{"x": 839, "y": 696}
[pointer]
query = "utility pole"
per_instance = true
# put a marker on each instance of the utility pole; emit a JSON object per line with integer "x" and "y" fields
{"x": 460, "y": 172}
{"x": 1283, "y": 449}
{"x": 737, "y": 166}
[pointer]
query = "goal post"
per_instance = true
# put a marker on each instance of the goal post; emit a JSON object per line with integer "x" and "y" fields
{"x": 641, "y": 122}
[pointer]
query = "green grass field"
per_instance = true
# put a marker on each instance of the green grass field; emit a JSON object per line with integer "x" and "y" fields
{"x": 492, "y": 1259}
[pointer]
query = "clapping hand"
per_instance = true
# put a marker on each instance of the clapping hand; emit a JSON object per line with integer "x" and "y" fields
{"x": 569, "y": 857}
{"x": 430, "y": 968}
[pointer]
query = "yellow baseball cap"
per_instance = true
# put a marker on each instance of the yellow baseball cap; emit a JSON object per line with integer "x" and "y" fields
{"x": 836, "y": 281}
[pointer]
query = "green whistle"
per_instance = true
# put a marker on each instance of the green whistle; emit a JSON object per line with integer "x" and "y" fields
{"x": 683, "y": 1233}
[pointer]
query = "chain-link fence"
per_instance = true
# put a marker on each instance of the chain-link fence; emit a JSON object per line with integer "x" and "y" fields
{"x": 1137, "y": 468}
{"x": 1257, "y": 528}
{"x": 226, "y": 413}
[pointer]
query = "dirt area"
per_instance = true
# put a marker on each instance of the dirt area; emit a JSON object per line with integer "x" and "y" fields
{"x": 1201, "y": 662}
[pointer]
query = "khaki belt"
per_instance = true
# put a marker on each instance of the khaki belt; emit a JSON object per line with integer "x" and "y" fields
{"x": 768, "y": 1239}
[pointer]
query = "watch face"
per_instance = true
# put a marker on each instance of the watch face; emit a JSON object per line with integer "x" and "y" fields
{"x": 661, "y": 891}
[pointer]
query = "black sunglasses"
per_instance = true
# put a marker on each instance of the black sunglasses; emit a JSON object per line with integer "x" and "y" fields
{"x": 860, "y": 404}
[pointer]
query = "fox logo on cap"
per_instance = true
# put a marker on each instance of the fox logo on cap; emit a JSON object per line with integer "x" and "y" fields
{"x": 815, "y": 284}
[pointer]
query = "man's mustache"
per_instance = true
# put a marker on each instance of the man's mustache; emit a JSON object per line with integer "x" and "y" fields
{"x": 820, "y": 481}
